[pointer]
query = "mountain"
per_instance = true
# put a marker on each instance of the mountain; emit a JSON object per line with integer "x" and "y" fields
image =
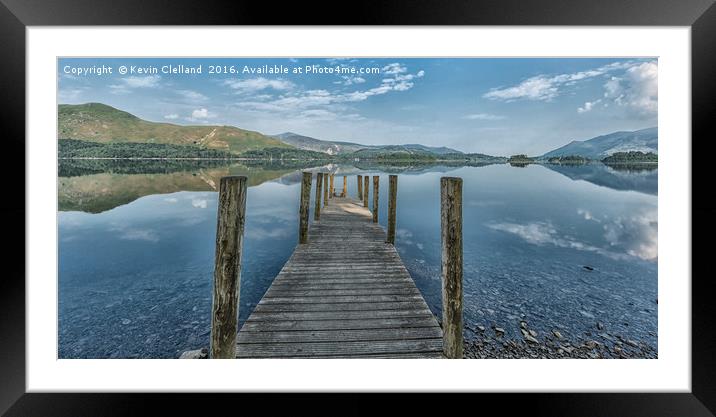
{"x": 338, "y": 148}
{"x": 96, "y": 122}
{"x": 442, "y": 150}
{"x": 317, "y": 145}
{"x": 645, "y": 140}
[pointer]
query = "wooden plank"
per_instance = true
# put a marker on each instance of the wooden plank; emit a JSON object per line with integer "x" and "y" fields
{"x": 344, "y": 293}
{"x": 308, "y": 336}
{"x": 338, "y": 292}
{"x": 296, "y": 325}
{"x": 342, "y": 348}
{"x": 370, "y": 306}
{"x": 336, "y": 315}
{"x": 342, "y": 299}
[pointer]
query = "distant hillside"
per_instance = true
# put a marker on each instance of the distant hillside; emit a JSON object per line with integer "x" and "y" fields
{"x": 645, "y": 140}
{"x": 342, "y": 148}
{"x": 96, "y": 122}
{"x": 442, "y": 150}
{"x": 312, "y": 144}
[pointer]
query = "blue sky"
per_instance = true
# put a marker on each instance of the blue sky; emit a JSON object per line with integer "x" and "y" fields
{"x": 498, "y": 106}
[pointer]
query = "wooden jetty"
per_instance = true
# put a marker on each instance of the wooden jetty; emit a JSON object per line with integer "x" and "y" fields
{"x": 344, "y": 292}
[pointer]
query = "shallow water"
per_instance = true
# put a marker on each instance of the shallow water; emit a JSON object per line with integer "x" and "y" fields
{"x": 136, "y": 250}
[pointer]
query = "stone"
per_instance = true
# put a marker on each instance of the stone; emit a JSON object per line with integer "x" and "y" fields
{"x": 557, "y": 334}
{"x": 529, "y": 338}
{"x": 632, "y": 343}
{"x": 600, "y": 325}
{"x": 499, "y": 331}
{"x": 523, "y": 324}
{"x": 533, "y": 333}
{"x": 481, "y": 328}
{"x": 202, "y": 353}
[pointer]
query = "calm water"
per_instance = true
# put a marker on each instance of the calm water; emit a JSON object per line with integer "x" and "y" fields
{"x": 136, "y": 249}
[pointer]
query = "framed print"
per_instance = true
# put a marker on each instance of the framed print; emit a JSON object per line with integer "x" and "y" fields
{"x": 328, "y": 208}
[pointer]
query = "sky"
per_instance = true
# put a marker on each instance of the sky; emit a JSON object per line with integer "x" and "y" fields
{"x": 496, "y": 106}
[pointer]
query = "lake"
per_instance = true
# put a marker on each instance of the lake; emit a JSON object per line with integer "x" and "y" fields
{"x": 567, "y": 248}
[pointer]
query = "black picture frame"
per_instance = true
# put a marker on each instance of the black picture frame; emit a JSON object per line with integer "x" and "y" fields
{"x": 16, "y": 15}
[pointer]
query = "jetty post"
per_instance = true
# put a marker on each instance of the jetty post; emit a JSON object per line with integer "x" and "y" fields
{"x": 319, "y": 193}
{"x": 375, "y": 198}
{"x": 345, "y": 186}
{"x": 325, "y": 189}
{"x": 303, "y": 208}
{"x": 452, "y": 265}
{"x": 365, "y": 191}
{"x": 360, "y": 187}
{"x": 227, "y": 267}
{"x": 392, "y": 198}
{"x": 332, "y": 192}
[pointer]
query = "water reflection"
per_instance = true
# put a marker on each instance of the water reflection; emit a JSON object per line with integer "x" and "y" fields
{"x": 145, "y": 291}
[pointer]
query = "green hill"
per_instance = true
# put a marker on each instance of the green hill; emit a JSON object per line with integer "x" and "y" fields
{"x": 96, "y": 122}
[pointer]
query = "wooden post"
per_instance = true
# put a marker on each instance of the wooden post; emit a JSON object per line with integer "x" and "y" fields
{"x": 375, "y": 198}
{"x": 451, "y": 237}
{"x": 333, "y": 190}
{"x": 303, "y": 209}
{"x": 360, "y": 187}
{"x": 365, "y": 191}
{"x": 392, "y": 197}
{"x": 319, "y": 194}
{"x": 345, "y": 186}
{"x": 227, "y": 267}
{"x": 325, "y": 189}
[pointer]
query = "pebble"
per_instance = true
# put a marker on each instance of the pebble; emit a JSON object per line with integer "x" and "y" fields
{"x": 557, "y": 334}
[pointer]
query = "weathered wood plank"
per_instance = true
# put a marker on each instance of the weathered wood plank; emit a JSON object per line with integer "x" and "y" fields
{"x": 342, "y": 299}
{"x": 308, "y": 336}
{"x": 372, "y": 306}
{"x": 344, "y": 293}
{"x": 342, "y": 348}
{"x": 295, "y": 325}
{"x": 336, "y": 315}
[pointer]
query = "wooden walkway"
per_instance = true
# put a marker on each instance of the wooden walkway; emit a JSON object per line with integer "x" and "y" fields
{"x": 344, "y": 294}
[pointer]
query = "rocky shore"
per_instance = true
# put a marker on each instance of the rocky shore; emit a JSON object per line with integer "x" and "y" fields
{"x": 601, "y": 344}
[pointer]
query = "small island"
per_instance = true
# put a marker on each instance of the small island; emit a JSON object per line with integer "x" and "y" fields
{"x": 520, "y": 160}
{"x": 631, "y": 158}
{"x": 568, "y": 160}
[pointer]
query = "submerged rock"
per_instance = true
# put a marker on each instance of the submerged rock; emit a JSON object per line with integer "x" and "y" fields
{"x": 202, "y": 353}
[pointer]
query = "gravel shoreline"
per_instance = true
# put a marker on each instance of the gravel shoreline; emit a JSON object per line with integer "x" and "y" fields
{"x": 492, "y": 344}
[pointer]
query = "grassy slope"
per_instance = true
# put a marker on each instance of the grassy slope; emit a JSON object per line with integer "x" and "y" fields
{"x": 101, "y": 123}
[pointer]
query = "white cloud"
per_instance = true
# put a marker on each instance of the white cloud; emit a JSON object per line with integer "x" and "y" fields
{"x": 483, "y": 116}
{"x": 192, "y": 95}
{"x": 349, "y": 80}
{"x": 150, "y": 81}
{"x": 394, "y": 68}
{"x": 138, "y": 234}
{"x": 545, "y": 88}
{"x": 637, "y": 89}
{"x": 172, "y": 116}
{"x": 588, "y": 106}
{"x": 258, "y": 84}
{"x": 544, "y": 233}
{"x": 328, "y": 104}
{"x": 200, "y": 113}
{"x": 535, "y": 88}
{"x": 126, "y": 84}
